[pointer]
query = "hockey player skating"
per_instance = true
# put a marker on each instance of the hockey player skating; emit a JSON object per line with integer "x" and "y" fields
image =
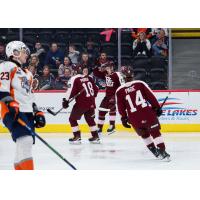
{"x": 108, "y": 104}
{"x": 16, "y": 101}
{"x": 85, "y": 105}
{"x": 133, "y": 101}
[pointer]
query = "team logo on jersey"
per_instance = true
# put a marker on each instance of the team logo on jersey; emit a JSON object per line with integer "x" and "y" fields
{"x": 25, "y": 83}
{"x": 18, "y": 71}
{"x": 109, "y": 82}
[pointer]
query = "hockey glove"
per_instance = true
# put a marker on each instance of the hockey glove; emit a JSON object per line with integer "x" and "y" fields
{"x": 39, "y": 117}
{"x": 125, "y": 122}
{"x": 9, "y": 113}
{"x": 40, "y": 120}
{"x": 65, "y": 103}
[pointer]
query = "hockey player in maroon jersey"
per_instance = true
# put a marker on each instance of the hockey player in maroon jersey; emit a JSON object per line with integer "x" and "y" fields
{"x": 113, "y": 81}
{"x": 138, "y": 106}
{"x": 85, "y": 105}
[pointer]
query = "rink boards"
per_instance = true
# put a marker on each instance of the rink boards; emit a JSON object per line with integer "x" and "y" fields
{"x": 181, "y": 112}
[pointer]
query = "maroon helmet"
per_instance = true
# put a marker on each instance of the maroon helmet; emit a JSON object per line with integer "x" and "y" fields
{"x": 127, "y": 72}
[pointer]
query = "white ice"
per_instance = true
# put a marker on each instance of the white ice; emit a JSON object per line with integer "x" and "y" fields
{"x": 121, "y": 151}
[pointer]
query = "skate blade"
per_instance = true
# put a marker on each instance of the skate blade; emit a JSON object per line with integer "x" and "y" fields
{"x": 166, "y": 159}
{"x": 95, "y": 142}
{"x": 110, "y": 133}
{"x": 75, "y": 142}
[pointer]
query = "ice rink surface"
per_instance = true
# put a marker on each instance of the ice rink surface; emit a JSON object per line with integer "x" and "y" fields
{"x": 120, "y": 151}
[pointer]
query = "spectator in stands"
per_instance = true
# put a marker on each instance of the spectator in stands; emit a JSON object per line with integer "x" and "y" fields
{"x": 155, "y": 31}
{"x": 33, "y": 70}
{"x": 73, "y": 54}
{"x": 91, "y": 50}
{"x": 40, "y": 53}
{"x": 34, "y": 61}
{"x": 54, "y": 56}
{"x": 2, "y": 52}
{"x": 160, "y": 46}
{"x": 66, "y": 64}
{"x": 85, "y": 62}
{"x": 102, "y": 59}
{"x": 141, "y": 46}
{"x": 47, "y": 80}
{"x": 100, "y": 62}
{"x": 62, "y": 81}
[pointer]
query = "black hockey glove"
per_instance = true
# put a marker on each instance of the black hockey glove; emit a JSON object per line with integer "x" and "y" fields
{"x": 65, "y": 103}
{"x": 39, "y": 117}
{"x": 158, "y": 111}
{"x": 40, "y": 120}
{"x": 125, "y": 122}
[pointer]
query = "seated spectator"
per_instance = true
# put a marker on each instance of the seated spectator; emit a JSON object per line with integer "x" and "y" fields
{"x": 62, "y": 81}
{"x": 102, "y": 59}
{"x": 66, "y": 64}
{"x": 3, "y": 56}
{"x": 40, "y": 53}
{"x": 100, "y": 63}
{"x": 47, "y": 80}
{"x": 73, "y": 54}
{"x": 155, "y": 31}
{"x": 92, "y": 51}
{"x": 54, "y": 56}
{"x": 141, "y": 46}
{"x": 85, "y": 62}
{"x": 34, "y": 61}
{"x": 33, "y": 70}
{"x": 160, "y": 46}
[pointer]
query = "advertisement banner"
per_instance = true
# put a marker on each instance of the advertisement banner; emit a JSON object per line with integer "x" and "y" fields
{"x": 181, "y": 112}
{"x": 180, "y": 107}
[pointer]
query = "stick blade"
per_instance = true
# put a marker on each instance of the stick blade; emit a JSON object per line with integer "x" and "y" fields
{"x": 50, "y": 111}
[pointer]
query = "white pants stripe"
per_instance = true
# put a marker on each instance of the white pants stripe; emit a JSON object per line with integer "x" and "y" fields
{"x": 158, "y": 140}
{"x": 75, "y": 128}
{"x": 101, "y": 122}
{"x": 112, "y": 117}
{"x": 148, "y": 140}
{"x": 93, "y": 128}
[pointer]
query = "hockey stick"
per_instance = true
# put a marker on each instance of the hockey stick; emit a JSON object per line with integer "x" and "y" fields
{"x": 20, "y": 121}
{"x": 55, "y": 113}
{"x": 164, "y": 101}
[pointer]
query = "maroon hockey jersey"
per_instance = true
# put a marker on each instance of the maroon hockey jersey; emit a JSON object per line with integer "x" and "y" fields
{"x": 136, "y": 100}
{"x": 113, "y": 81}
{"x": 79, "y": 83}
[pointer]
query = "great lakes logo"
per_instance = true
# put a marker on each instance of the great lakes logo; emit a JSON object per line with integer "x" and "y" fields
{"x": 175, "y": 109}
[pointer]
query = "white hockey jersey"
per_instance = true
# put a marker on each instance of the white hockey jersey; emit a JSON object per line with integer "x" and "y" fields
{"x": 18, "y": 84}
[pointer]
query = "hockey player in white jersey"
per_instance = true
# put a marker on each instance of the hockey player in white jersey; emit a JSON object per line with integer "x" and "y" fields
{"x": 16, "y": 101}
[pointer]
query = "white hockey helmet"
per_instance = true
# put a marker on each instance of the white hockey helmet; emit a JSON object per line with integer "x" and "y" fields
{"x": 15, "y": 47}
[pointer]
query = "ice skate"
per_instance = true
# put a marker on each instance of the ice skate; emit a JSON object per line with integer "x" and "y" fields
{"x": 111, "y": 129}
{"x": 75, "y": 140}
{"x": 163, "y": 155}
{"x": 95, "y": 138}
{"x": 155, "y": 151}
